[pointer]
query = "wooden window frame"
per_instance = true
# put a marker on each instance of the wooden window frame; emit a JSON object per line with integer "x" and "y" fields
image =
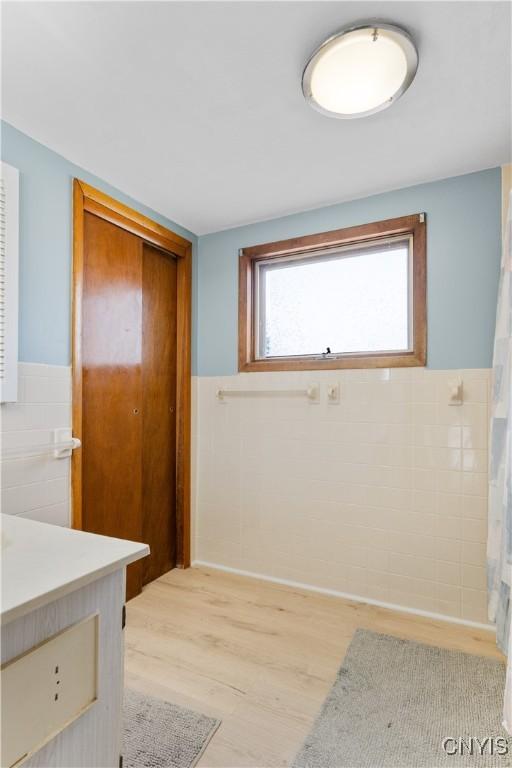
{"x": 89, "y": 199}
{"x": 414, "y": 225}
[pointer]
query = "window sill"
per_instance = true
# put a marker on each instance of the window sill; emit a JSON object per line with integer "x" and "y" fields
{"x": 391, "y": 360}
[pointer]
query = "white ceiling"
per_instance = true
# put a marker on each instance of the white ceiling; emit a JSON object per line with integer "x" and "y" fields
{"x": 196, "y": 109}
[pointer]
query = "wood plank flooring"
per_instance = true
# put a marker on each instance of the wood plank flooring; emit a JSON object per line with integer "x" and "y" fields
{"x": 261, "y": 657}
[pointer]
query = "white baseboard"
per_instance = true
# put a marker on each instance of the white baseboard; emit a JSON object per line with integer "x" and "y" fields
{"x": 346, "y": 596}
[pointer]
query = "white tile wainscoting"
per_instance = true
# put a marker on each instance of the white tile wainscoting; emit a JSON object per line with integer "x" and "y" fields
{"x": 382, "y": 496}
{"x": 37, "y": 487}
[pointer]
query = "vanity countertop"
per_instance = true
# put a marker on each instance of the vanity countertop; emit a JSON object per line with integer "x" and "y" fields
{"x": 41, "y": 562}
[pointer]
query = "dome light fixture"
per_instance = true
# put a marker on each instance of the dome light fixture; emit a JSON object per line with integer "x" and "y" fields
{"x": 360, "y": 70}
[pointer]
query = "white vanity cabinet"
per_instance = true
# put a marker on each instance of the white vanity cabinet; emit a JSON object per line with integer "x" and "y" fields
{"x": 62, "y": 645}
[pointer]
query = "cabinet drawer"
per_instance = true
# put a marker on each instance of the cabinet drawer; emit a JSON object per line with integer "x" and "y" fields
{"x": 46, "y": 688}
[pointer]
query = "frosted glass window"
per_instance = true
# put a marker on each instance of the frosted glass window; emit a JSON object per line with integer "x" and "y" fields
{"x": 353, "y": 300}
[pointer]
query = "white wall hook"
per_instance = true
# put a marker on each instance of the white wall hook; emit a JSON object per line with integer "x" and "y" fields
{"x": 65, "y": 443}
{"x": 313, "y": 393}
{"x": 455, "y": 392}
{"x": 333, "y": 393}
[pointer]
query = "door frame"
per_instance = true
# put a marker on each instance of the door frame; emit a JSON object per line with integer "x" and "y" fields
{"x": 91, "y": 200}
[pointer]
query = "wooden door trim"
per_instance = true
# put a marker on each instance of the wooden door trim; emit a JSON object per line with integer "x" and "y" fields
{"x": 87, "y": 198}
{"x": 107, "y": 207}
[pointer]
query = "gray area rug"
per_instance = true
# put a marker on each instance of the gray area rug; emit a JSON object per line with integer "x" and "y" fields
{"x": 158, "y": 734}
{"x": 394, "y": 701}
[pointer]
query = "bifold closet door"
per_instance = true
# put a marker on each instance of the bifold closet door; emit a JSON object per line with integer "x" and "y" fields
{"x": 159, "y": 293}
{"x": 112, "y": 385}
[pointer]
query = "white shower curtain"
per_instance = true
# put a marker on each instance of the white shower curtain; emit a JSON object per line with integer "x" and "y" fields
{"x": 499, "y": 545}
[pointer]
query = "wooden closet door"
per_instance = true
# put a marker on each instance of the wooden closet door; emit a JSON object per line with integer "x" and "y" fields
{"x": 159, "y": 294}
{"x": 112, "y": 385}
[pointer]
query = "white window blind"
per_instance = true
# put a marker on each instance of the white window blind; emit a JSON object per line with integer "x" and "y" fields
{"x": 9, "y": 248}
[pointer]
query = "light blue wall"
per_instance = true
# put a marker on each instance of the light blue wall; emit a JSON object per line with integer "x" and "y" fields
{"x": 464, "y": 244}
{"x": 45, "y": 244}
{"x": 464, "y": 247}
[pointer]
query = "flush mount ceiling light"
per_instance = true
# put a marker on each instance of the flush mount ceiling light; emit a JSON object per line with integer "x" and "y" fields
{"x": 360, "y": 70}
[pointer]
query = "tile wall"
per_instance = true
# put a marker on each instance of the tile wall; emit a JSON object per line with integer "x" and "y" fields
{"x": 37, "y": 487}
{"x": 383, "y": 496}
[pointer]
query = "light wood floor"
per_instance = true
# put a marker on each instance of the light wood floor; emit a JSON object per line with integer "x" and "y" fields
{"x": 261, "y": 657}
